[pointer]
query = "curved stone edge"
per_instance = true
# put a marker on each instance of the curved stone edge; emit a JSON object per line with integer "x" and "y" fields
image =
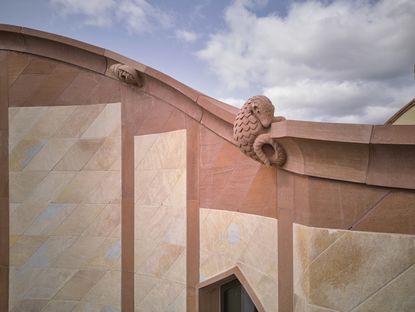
{"x": 368, "y": 154}
{"x": 361, "y": 147}
{"x": 99, "y": 60}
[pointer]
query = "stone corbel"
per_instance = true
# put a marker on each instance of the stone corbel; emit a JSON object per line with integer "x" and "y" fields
{"x": 127, "y": 74}
{"x": 251, "y": 131}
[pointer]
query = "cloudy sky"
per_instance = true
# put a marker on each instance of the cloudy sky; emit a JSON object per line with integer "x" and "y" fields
{"x": 339, "y": 61}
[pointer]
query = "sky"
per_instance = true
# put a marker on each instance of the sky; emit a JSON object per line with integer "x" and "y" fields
{"x": 348, "y": 61}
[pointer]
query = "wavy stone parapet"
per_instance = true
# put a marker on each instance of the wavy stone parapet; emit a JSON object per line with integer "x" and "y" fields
{"x": 373, "y": 155}
{"x": 214, "y": 114}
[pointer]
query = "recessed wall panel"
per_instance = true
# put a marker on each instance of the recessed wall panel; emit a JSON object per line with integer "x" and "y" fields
{"x": 342, "y": 270}
{"x": 65, "y": 188}
{"x": 229, "y": 239}
{"x": 160, "y": 222}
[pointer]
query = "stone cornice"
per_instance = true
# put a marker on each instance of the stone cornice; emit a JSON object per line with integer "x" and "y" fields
{"x": 214, "y": 114}
{"x": 373, "y": 155}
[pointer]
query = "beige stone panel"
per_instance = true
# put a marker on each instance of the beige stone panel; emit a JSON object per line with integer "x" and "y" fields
{"x": 219, "y": 234}
{"x": 160, "y": 221}
{"x": 161, "y": 297}
{"x": 152, "y": 159}
{"x": 20, "y": 283}
{"x": 59, "y": 306}
{"x": 49, "y": 251}
{"x": 80, "y": 219}
{"x": 79, "y": 253}
{"x": 107, "y": 256}
{"x": 50, "y": 154}
{"x": 24, "y": 248}
{"x": 261, "y": 256}
{"x": 79, "y": 154}
{"x": 252, "y": 274}
{"x": 308, "y": 244}
{"x": 180, "y": 303}
{"x": 14, "y": 206}
{"x": 299, "y": 303}
{"x": 47, "y": 283}
{"x": 80, "y": 283}
{"x": 160, "y": 187}
{"x": 29, "y": 305}
{"x": 173, "y": 148}
{"x": 161, "y": 260}
{"x": 42, "y": 195}
{"x": 79, "y": 121}
{"x": 108, "y": 190}
{"x": 105, "y": 123}
{"x": 116, "y": 164}
{"x": 80, "y": 186}
{"x": 177, "y": 271}
{"x": 50, "y": 121}
{"x": 397, "y": 295}
{"x": 107, "y": 291}
{"x": 24, "y": 152}
{"x": 213, "y": 264}
{"x": 21, "y": 122}
{"x": 356, "y": 266}
{"x": 106, "y": 222}
{"x": 314, "y": 308}
{"x": 175, "y": 234}
{"x": 143, "y": 248}
{"x": 143, "y": 285}
{"x": 264, "y": 286}
{"x": 267, "y": 292}
{"x": 94, "y": 307}
{"x": 229, "y": 239}
{"x": 22, "y": 184}
{"x": 142, "y": 182}
{"x": 143, "y": 144}
{"x": 177, "y": 196}
{"x": 166, "y": 153}
{"x": 116, "y": 233}
{"x": 159, "y": 225}
{"x": 108, "y": 156}
{"x": 50, "y": 219}
{"x": 13, "y": 239}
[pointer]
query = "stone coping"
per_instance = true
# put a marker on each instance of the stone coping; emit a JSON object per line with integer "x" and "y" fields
{"x": 97, "y": 59}
{"x": 375, "y": 155}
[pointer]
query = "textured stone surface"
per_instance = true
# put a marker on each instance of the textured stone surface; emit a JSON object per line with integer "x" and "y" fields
{"x": 65, "y": 197}
{"x": 353, "y": 271}
{"x": 229, "y": 239}
{"x": 160, "y": 221}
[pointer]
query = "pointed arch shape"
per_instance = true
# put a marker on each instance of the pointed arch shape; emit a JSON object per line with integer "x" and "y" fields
{"x": 209, "y": 290}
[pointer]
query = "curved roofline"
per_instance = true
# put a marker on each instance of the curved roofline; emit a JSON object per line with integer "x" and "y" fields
{"x": 326, "y": 150}
{"x": 97, "y": 59}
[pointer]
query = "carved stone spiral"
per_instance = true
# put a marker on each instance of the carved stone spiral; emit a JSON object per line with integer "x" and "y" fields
{"x": 251, "y": 131}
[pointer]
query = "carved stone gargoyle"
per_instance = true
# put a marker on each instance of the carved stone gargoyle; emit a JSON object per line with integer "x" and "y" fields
{"x": 251, "y": 131}
{"x": 127, "y": 74}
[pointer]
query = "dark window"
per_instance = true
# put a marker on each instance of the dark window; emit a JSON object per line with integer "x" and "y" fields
{"x": 234, "y": 298}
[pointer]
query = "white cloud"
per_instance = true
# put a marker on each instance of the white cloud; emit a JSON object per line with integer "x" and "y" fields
{"x": 95, "y": 12}
{"x": 338, "y": 61}
{"x": 137, "y": 16}
{"x": 233, "y": 101}
{"x": 188, "y": 36}
{"x": 140, "y": 16}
